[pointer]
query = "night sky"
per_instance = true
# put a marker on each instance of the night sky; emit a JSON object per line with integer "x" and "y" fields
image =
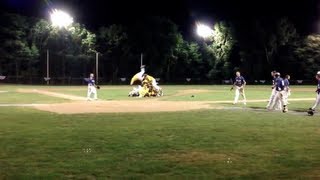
{"x": 305, "y": 14}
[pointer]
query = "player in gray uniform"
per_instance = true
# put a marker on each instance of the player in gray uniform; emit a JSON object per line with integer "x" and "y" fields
{"x": 316, "y": 104}
{"x": 287, "y": 88}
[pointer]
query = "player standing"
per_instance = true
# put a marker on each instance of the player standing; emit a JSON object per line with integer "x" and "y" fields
{"x": 316, "y": 104}
{"x": 287, "y": 88}
{"x": 92, "y": 88}
{"x": 280, "y": 93}
{"x": 239, "y": 84}
{"x": 273, "y": 92}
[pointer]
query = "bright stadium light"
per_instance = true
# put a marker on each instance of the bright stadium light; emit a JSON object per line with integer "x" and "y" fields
{"x": 204, "y": 31}
{"x": 60, "y": 19}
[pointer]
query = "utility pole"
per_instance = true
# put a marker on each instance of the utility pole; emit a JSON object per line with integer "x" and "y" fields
{"x": 141, "y": 60}
{"x": 97, "y": 66}
{"x": 47, "y": 66}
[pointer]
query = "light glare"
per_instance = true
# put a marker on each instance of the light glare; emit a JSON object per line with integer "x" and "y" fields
{"x": 204, "y": 31}
{"x": 60, "y": 19}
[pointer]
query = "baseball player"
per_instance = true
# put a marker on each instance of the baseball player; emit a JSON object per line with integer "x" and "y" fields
{"x": 273, "y": 93}
{"x": 92, "y": 88}
{"x": 280, "y": 93}
{"x": 138, "y": 76}
{"x": 239, "y": 84}
{"x": 135, "y": 91}
{"x": 316, "y": 104}
{"x": 151, "y": 80}
{"x": 287, "y": 88}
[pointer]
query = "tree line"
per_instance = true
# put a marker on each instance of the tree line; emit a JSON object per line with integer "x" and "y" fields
{"x": 254, "y": 48}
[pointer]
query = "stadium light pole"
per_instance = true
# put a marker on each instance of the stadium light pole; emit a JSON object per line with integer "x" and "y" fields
{"x": 47, "y": 67}
{"x": 59, "y": 19}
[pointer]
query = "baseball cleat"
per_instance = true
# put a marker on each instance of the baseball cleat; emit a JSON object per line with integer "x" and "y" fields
{"x": 310, "y": 112}
{"x": 285, "y": 109}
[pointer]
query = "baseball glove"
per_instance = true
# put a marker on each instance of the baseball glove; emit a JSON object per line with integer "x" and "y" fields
{"x": 98, "y": 87}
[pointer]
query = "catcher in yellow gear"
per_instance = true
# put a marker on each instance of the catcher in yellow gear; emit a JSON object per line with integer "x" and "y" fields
{"x": 154, "y": 85}
{"x": 149, "y": 86}
{"x": 138, "y": 78}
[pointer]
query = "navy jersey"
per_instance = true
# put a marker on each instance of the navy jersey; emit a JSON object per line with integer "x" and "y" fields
{"x": 279, "y": 84}
{"x": 286, "y": 83}
{"x": 239, "y": 81}
{"x": 91, "y": 82}
{"x": 318, "y": 87}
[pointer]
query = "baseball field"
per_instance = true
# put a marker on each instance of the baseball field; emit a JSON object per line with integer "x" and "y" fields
{"x": 192, "y": 132}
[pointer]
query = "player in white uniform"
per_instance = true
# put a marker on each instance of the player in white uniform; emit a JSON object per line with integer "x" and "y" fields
{"x": 92, "y": 88}
{"x": 239, "y": 84}
{"x": 317, "y": 103}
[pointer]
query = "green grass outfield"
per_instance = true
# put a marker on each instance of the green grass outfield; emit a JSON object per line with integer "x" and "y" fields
{"x": 236, "y": 142}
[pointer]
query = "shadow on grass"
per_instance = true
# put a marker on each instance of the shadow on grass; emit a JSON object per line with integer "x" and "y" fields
{"x": 257, "y": 108}
{"x": 297, "y": 111}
